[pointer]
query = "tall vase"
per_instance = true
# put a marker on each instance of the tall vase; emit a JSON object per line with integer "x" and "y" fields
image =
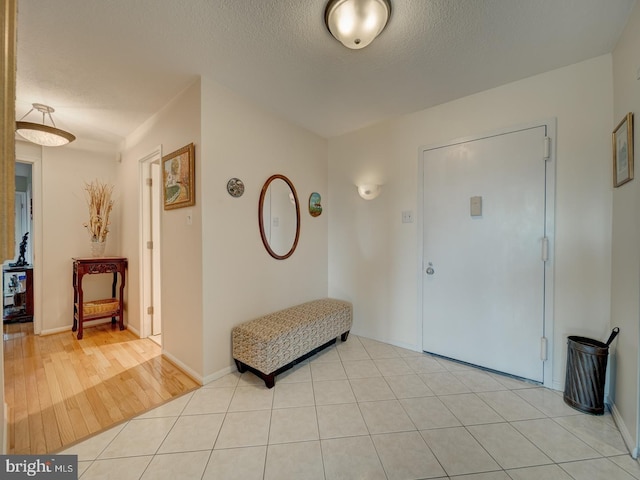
{"x": 97, "y": 247}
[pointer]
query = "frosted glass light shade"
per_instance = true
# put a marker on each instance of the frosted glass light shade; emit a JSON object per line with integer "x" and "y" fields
{"x": 356, "y": 23}
{"x": 40, "y": 133}
{"x": 43, "y": 134}
{"x": 369, "y": 192}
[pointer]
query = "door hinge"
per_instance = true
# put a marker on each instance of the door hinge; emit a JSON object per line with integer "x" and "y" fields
{"x": 150, "y": 245}
{"x": 149, "y": 310}
{"x": 545, "y": 249}
{"x": 543, "y": 349}
{"x": 149, "y": 182}
{"x": 547, "y": 148}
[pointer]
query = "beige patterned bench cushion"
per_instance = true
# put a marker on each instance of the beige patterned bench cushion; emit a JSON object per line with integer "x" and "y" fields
{"x": 271, "y": 342}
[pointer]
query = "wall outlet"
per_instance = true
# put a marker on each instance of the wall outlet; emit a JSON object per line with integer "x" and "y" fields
{"x": 407, "y": 216}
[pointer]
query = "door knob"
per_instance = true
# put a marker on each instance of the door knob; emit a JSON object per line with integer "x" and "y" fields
{"x": 430, "y": 270}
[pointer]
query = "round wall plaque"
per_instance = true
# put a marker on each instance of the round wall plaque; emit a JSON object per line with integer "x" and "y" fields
{"x": 235, "y": 187}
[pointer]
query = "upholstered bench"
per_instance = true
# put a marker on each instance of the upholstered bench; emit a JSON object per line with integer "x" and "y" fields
{"x": 269, "y": 345}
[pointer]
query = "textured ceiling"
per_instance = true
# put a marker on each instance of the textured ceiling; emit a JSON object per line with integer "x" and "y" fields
{"x": 107, "y": 66}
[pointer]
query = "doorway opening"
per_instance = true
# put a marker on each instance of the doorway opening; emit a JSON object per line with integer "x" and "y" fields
{"x": 17, "y": 273}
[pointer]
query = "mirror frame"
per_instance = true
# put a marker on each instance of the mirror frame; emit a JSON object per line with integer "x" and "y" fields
{"x": 263, "y": 193}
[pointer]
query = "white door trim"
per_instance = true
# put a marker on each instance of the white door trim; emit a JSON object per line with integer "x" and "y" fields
{"x": 35, "y": 238}
{"x": 550, "y": 125}
{"x": 156, "y": 237}
{"x": 144, "y": 235}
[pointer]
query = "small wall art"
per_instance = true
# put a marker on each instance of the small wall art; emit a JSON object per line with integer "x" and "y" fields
{"x": 235, "y": 187}
{"x": 622, "y": 141}
{"x": 178, "y": 178}
{"x": 315, "y": 206}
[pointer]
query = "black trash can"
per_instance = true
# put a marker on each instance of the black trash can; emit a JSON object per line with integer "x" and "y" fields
{"x": 586, "y": 373}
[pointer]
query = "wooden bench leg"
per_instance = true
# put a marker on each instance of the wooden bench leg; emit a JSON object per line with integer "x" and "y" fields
{"x": 240, "y": 366}
{"x": 269, "y": 380}
{"x": 344, "y": 336}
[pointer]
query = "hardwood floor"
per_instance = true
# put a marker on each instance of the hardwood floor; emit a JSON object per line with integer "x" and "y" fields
{"x": 60, "y": 390}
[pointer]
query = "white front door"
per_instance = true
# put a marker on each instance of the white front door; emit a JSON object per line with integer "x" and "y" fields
{"x": 484, "y": 241}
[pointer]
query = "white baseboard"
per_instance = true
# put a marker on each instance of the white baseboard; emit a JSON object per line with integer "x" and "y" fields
{"x": 133, "y": 330}
{"x": 624, "y": 431}
{"x": 406, "y": 346}
{"x": 219, "y": 374}
{"x": 198, "y": 378}
{"x": 51, "y": 331}
{"x": 186, "y": 369}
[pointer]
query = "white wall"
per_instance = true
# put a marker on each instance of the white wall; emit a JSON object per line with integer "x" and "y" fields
{"x": 373, "y": 256}
{"x": 216, "y": 272}
{"x": 175, "y": 126}
{"x": 625, "y": 284}
{"x": 240, "y": 281}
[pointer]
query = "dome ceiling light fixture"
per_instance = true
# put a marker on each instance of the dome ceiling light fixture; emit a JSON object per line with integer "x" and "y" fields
{"x": 356, "y": 23}
{"x": 41, "y": 134}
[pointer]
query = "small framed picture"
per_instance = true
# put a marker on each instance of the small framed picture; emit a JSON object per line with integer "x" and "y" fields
{"x": 623, "y": 151}
{"x": 179, "y": 178}
{"x": 315, "y": 205}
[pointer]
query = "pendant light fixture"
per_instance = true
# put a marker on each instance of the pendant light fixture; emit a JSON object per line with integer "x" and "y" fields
{"x": 41, "y": 134}
{"x": 356, "y": 23}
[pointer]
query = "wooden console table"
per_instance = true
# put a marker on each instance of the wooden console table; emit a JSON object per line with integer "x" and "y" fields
{"x": 109, "y": 307}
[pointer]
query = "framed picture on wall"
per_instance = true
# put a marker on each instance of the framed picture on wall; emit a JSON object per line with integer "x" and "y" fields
{"x": 179, "y": 178}
{"x": 623, "y": 151}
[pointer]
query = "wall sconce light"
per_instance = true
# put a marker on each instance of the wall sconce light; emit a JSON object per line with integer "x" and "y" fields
{"x": 41, "y": 134}
{"x": 369, "y": 192}
{"x": 356, "y": 23}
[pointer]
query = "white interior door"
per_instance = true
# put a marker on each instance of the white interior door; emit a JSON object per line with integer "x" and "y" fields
{"x": 156, "y": 209}
{"x": 484, "y": 236}
{"x": 150, "y": 264}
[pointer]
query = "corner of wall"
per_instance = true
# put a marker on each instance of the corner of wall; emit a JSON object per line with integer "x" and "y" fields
{"x": 5, "y": 427}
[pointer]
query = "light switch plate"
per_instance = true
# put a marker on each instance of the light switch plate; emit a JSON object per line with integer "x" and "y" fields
{"x": 475, "y": 206}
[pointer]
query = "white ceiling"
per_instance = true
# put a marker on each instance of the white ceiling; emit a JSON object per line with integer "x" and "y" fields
{"x": 108, "y": 65}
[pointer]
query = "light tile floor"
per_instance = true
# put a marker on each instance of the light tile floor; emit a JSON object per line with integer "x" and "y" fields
{"x": 363, "y": 410}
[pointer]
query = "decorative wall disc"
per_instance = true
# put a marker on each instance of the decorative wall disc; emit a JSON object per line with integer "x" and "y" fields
{"x": 315, "y": 207}
{"x": 235, "y": 187}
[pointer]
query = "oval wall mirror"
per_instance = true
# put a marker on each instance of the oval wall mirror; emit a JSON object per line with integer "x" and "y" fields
{"x": 279, "y": 217}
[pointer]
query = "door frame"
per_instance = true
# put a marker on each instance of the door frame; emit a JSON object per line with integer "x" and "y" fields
{"x": 145, "y": 234}
{"x": 155, "y": 170}
{"x": 550, "y": 191}
{"x": 35, "y": 238}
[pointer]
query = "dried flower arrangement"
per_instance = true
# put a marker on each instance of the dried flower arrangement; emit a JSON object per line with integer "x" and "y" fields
{"x": 98, "y": 197}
